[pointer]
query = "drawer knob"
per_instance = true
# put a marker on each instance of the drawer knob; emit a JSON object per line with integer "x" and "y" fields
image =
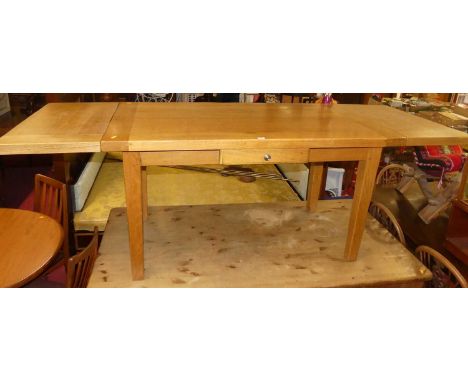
{"x": 267, "y": 157}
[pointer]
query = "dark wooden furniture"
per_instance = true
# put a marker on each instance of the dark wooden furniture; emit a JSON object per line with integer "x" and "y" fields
{"x": 457, "y": 230}
{"x": 385, "y": 217}
{"x": 78, "y": 269}
{"x": 26, "y": 103}
{"x": 80, "y": 266}
{"x": 444, "y": 273}
{"x": 51, "y": 199}
{"x": 28, "y": 242}
{"x": 390, "y": 175}
{"x": 405, "y": 208}
{"x": 349, "y": 98}
{"x": 298, "y": 97}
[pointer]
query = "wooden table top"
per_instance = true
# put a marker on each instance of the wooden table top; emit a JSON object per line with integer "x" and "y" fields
{"x": 199, "y": 126}
{"x": 28, "y": 242}
{"x": 60, "y": 128}
{"x": 88, "y": 127}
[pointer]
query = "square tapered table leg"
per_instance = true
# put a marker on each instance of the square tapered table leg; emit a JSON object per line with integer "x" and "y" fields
{"x": 315, "y": 185}
{"x": 134, "y": 199}
{"x": 365, "y": 181}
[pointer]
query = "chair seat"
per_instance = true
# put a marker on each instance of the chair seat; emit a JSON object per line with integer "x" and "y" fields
{"x": 41, "y": 282}
{"x": 54, "y": 279}
{"x": 58, "y": 275}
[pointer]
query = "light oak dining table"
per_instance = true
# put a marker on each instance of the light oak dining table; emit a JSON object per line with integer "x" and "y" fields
{"x": 28, "y": 242}
{"x": 228, "y": 133}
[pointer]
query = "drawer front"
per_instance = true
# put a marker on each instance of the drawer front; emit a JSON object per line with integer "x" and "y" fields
{"x": 257, "y": 156}
{"x": 173, "y": 158}
{"x": 337, "y": 154}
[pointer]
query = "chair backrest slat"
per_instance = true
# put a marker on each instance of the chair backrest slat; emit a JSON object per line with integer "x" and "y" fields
{"x": 385, "y": 217}
{"x": 80, "y": 266}
{"x": 444, "y": 273}
{"x": 51, "y": 199}
{"x": 390, "y": 175}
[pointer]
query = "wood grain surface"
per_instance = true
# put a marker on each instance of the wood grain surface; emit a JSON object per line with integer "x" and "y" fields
{"x": 208, "y": 126}
{"x": 417, "y": 131}
{"x": 205, "y": 126}
{"x": 254, "y": 245}
{"x": 365, "y": 181}
{"x": 259, "y": 156}
{"x": 60, "y": 128}
{"x": 314, "y": 185}
{"x": 134, "y": 199}
{"x": 28, "y": 242}
{"x": 91, "y": 127}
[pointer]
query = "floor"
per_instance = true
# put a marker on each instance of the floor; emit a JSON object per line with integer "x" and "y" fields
{"x": 254, "y": 245}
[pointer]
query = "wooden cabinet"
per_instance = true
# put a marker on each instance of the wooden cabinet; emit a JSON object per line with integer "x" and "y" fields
{"x": 456, "y": 238}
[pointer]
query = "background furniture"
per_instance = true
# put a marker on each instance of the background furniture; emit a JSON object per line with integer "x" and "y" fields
{"x": 51, "y": 199}
{"x": 390, "y": 175}
{"x": 405, "y": 208}
{"x": 449, "y": 229}
{"x": 297, "y": 97}
{"x": 457, "y": 230}
{"x": 4, "y": 104}
{"x": 26, "y": 103}
{"x": 28, "y": 242}
{"x": 385, "y": 217}
{"x": 78, "y": 269}
{"x": 80, "y": 266}
{"x": 444, "y": 273}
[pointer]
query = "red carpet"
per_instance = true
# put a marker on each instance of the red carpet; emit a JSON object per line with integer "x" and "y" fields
{"x": 28, "y": 202}
{"x": 58, "y": 275}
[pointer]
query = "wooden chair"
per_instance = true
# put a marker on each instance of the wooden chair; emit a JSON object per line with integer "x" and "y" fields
{"x": 385, "y": 217}
{"x": 390, "y": 176}
{"x": 80, "y": 266}
{"x": 444, "y": 273}
{"x": 51, "y": 199}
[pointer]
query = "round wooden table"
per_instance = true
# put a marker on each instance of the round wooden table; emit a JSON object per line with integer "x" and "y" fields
{"x": 28, "y": 242}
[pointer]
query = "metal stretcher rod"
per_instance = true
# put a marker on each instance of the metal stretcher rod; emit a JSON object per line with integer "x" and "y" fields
{"x": 233, "y": 172}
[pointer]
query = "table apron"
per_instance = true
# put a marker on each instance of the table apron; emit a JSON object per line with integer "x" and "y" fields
{"x": 182, "y": 157}
{"x": 250, "y": 156}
